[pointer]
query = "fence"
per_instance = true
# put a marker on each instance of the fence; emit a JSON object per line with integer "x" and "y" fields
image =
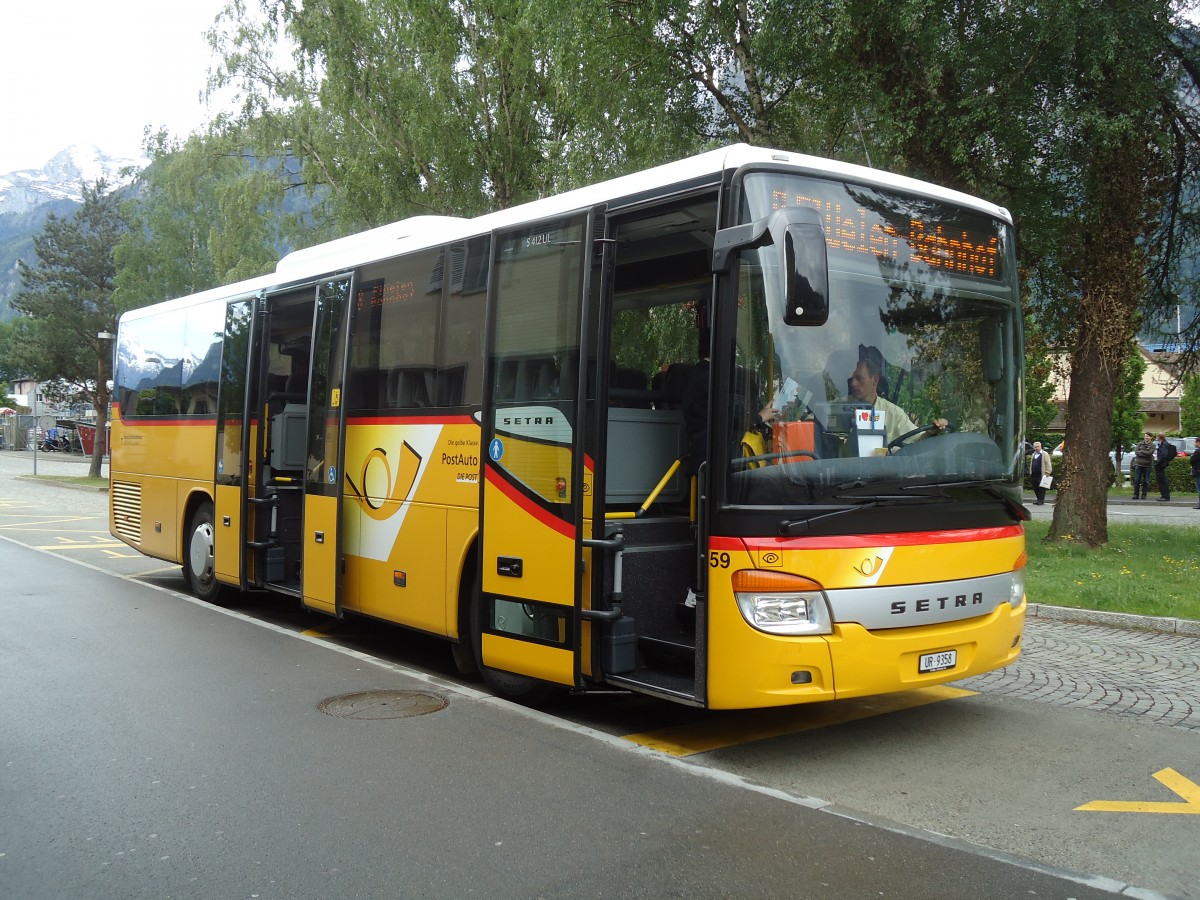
{"x": 23, "y": 431}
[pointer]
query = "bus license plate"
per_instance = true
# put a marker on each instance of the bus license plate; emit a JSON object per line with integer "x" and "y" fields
{"x": 937, "y": 662}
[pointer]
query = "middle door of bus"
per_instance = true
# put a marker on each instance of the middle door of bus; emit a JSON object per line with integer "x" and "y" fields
{"x": 291, "y": 492}
{"x": 321, "y": 552}
{"x": 535, "y": 481}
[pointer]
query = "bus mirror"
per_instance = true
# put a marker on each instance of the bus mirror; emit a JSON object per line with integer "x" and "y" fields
{"x": 799, "y": 239}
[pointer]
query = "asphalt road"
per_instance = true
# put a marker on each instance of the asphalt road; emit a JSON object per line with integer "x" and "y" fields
{"x": 989, "y": 790}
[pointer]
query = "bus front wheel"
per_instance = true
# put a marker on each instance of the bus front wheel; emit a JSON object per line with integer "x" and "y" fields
{"x": 199, "y": 554}
{"x": 518, "y": 688}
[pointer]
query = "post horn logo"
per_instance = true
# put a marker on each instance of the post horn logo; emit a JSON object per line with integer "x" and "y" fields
{"x": 396, "y": 490}
{"x": 869, "y": 566}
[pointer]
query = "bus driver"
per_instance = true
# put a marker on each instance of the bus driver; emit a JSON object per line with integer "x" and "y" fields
{"x": 864, "y": 388}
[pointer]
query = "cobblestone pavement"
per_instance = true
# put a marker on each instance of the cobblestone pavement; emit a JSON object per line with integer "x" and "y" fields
{"x": 1151, "y": 677}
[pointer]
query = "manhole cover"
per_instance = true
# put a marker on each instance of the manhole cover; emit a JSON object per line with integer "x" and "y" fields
{"x": 383, "y": 704}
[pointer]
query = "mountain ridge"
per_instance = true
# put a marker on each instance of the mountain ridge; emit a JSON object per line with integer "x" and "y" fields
{"x": 28, "y": 196}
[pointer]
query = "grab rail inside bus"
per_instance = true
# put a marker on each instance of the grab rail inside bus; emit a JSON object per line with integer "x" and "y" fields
{"x": 615, "y": 543}
{"x": 658, "y": 489}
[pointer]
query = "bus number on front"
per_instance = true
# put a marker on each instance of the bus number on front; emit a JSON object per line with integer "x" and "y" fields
{"x": 718, "y": 560}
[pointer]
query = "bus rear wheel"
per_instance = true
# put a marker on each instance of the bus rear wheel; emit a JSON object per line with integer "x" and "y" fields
{"x": 199, "y": 554}
{"x": 518, "y": 688}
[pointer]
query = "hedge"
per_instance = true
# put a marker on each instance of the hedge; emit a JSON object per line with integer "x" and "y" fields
{"x": 1179, "y": 476}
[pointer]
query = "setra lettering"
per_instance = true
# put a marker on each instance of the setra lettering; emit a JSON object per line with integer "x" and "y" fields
{"x": 930, "y": 604}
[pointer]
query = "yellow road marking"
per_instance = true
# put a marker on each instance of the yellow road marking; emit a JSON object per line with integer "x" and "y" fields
{"x": 157, "y": 571}
{"x": 80, "y": 545}
{"x": 324, "y": 630}
{"x": 336, "y": 628}
{"x": 48, "y": 520}
{"x": 742, "y": 728}
{"x": 1188, "y": 790}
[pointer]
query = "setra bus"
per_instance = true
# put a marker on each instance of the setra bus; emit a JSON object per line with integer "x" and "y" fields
{"x": 783, "y": 389}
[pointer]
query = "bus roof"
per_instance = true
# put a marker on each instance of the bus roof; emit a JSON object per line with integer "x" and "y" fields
{"x": 419, "y": 232}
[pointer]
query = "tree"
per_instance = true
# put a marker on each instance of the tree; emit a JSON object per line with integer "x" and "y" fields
{"x": 68, "y": 298}
{"x": 1070, "y": 115}
{"x": 201, "y": 215}
{"x": 1040, "y": 408}
{"x": 1189, "y": 404}
{"x": 748, "y": 71}
{"x": 12, "y": 336}
{"x": 402, "y": 107}
{"x": 1115, "y": 154}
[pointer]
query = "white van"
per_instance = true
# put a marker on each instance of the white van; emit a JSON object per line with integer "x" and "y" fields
{"x": 1185, "y": 445}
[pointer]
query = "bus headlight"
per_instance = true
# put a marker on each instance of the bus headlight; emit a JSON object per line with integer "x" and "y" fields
{"x": 779, "y": 603}
{"x": 1016, "y": 592}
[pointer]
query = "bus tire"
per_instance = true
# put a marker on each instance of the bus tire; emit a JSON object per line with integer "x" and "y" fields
{"x": 463, "y": 650}
{"x": 198, "y": 554}
{"x": 518, "y": 688}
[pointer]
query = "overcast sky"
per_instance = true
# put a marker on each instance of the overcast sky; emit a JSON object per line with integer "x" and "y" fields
{"x": 98, "y": 72}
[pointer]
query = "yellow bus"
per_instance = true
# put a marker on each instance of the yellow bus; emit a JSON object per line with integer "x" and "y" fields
{"x": 742, "y": 430}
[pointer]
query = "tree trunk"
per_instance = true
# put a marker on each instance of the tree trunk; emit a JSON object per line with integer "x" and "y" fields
{"x": 1081, "y": 507}
{"x": 1112, "y": 267}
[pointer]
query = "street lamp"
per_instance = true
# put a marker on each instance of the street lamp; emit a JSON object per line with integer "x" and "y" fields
{"x": 36, "y": 420}
{"x": 103, "y": 438}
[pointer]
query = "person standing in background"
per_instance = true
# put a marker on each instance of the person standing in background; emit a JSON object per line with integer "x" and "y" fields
{"x": 1039, "y": 467}
{"x": 1196, "y": 474}
{"x": 1162, "y": 458}
{"x": 1143, "y": 462}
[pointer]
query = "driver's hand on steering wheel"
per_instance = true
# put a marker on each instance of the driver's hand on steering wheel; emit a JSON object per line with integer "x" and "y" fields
{"x": 942, "y": 424}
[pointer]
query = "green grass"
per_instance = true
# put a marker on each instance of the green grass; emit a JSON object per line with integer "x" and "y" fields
{"x": 77, "y": 479}
{"x": 1149, "y": 570}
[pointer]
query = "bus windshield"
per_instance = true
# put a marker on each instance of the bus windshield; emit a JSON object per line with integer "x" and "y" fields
{"x": 914, "y": 378}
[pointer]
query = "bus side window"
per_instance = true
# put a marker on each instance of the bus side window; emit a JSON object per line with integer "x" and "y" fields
{"x": 396, "y": 332}
{"x": 460, "y": 352}
{"x": 363, "y": 388}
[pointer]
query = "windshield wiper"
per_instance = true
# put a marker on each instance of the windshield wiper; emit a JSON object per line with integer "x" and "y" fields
{"x": 977, "y": 483}
{"x": 793, "y": 527}
{"x": 878, "y": 490}
{"x": 987, "y": 486}
{"x": 930, "y": 490}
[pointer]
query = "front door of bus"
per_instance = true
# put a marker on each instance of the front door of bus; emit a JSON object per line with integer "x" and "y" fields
{"x": 534, "y": 488}
{"x": 321, "y": 556}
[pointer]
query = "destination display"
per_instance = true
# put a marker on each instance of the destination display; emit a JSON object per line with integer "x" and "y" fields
{"x": 893, "y": 227}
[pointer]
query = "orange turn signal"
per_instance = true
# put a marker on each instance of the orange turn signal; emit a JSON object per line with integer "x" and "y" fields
{"x": 758, "y": 580}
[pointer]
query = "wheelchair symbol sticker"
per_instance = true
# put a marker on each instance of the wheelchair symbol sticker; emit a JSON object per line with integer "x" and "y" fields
{"x": 332, "y": 475}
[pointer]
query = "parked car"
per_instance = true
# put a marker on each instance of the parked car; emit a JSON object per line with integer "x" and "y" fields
{"x": 1126, "y": 461}
{"x": 1185, "y": 445}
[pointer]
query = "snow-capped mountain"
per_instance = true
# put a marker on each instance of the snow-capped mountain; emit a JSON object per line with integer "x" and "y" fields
{"x": 63, "y": 177}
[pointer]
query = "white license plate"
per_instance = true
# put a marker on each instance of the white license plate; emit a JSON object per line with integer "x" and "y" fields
{"x": 937, "y": 662}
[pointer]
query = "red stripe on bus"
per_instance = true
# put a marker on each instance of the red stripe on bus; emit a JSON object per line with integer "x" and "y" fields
{"x": 850, "y": 541}
{"x": 160, "y": 421}
{"x": 566, "y": 529}
{"x": 411, "y": 420}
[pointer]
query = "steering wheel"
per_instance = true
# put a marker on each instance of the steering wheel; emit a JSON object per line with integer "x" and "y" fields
{"x": 901, "y": 440}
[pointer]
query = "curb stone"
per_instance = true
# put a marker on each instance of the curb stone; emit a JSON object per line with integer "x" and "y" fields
{"x": 39, "y": 479}
{"x": 1128, "y": 621}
